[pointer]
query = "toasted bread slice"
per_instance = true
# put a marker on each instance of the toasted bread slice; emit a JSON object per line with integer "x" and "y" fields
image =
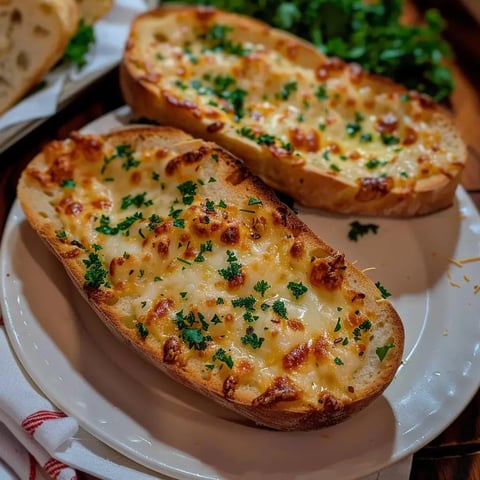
{"x": 33, "y": 36}
{"x": 325, "y": 132}
{"x": 195, "y": 263}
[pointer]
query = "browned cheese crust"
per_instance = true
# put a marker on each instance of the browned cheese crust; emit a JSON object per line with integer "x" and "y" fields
{"x": 322, "y": 131}
{"x": 196, "y": 264}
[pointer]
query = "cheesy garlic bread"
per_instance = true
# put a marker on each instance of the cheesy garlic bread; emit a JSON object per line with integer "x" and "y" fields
{"x": 194, "y": 262}
{"x": 322, "y": 131}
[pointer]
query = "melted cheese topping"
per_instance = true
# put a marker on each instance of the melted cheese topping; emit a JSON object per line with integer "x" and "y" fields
{"x": 324, "y": 115}
{"x": 213, "y": 284}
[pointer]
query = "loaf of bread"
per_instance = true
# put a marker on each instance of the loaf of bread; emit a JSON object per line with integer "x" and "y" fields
{"x": 33, "y": 37}
{"x": 92, "y": 10}
{"x": 322, "y": 131}
{"x": 195, "y": 263}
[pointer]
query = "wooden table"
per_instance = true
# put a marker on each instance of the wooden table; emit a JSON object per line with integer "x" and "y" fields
{"x": 453, "y": 455}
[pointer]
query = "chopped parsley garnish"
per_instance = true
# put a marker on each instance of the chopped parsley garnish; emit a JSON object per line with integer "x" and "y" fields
{"x": 188, "y": 191}
{"x": 261, "y": 287}
{"x": 221, "y": 355}
{"x": 254, "y": 201}
{"x": 366, "y": 137}
{"x": 96, "y": 273}
{"x": 233, "y": 270}
{"x": 245, "y": 302}
{"x": 125, "y": 152}
{"x": 385, "y": 293}
{"x": 142, "y": 329}
{"x": 108, "y": 229}
{"x": 154, "y": 220}
{"x": 195, "y": 338}
{"x": 204, "y": 247}
{"x": 279, "y": 308}
{"x": 321, "y": 92}
{"x": 69, "y": 183}
{"x": 179, "y": 223}
{"x": 264, "y": 139}
{"x": 79, "y": 45}
{"x": 334, "y": 167}
{"x": 358, "y": 229}
{"x": 61, "y": 234}
{"x": 338, "y": 361}
{"x": 297, "y": 289}
{"x": 389, "y": 139}
{"x": 338, "y": 326}
{"x": 78, "y": 244}
{"x": 137, "y": 200}
{"x": 287, "y": 89}
{"x": 217, "y": 34}
{"x": 374, "y": 163}
{"x": 353, "y": 128}
{"x": 252, "y": 339}
{"x": 382, "y": 351}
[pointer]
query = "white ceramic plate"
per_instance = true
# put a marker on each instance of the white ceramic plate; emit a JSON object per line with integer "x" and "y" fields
{"x": 126, "y": 403}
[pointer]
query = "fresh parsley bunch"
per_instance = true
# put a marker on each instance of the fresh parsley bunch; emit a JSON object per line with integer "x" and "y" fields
{"x": 369, "y": 33}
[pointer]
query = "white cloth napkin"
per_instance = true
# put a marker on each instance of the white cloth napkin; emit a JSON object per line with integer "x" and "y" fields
{"x": 39, "y": 442}
{"x": 110, "y": 33}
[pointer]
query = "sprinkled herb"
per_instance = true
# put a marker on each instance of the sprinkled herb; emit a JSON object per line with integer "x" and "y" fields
{"x": 79, "y": 45}
{"x": 61, "y": 234}
{"x": 321, "y": 92}
{"x": 261, "y": 287}
{"x": 254, "y": 201}
{"x": 157, "y": 279}
{"x": 366, "y": 137}
{"x": 334, "y": 167}
{"x": 217, "y": 34}
{"x": 245, "y": 302}
{"x": 221, "y": 355}
{"x": 233, "y": 270}
{"x": 222, "y": 204}
{"x": 215, "y": 319}
{"x": 155, "y": 176}
{"x": 297, "y": 289}
{"x": 188, "y": 190}
{"x": 179, "y": 223}
{"x": 204, "y": 247}
{"x": 382, "y": 351}
{"x": 137, "y": 201}
{"x": 186, "y": 262}
{"x": 78, "y": 244}
{"x": 404, "y": 174}
{"x": 220, "y": 301}
{"x": 358, "y": 229}
{"x": 338, "y": 361}
{"x": 154, "y": 220}
{"x": 68, "y": 183}
{"x": 195, "y": 338}
{"x": 385, "y": 293}
{"x": 96, "y": 273}
{"x": 353, "y": 128}
{"x": 252, "y": 339}
{"x": 389, "y": 139}
{"x": 287, "y": 89}
{"x": 142, "y": 330}
{"x": 374, "y": 163}
{"x": 338, "y": 326}
{"x": 279, "y": 308}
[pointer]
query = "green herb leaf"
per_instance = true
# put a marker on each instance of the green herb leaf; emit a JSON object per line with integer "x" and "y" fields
{"x": 382, "y": 351}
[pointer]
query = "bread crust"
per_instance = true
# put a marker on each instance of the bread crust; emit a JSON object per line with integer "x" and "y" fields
{"x": 23, "y": 66}
{"x": 280, "y": 407}
{"x": 146, "y": 90}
